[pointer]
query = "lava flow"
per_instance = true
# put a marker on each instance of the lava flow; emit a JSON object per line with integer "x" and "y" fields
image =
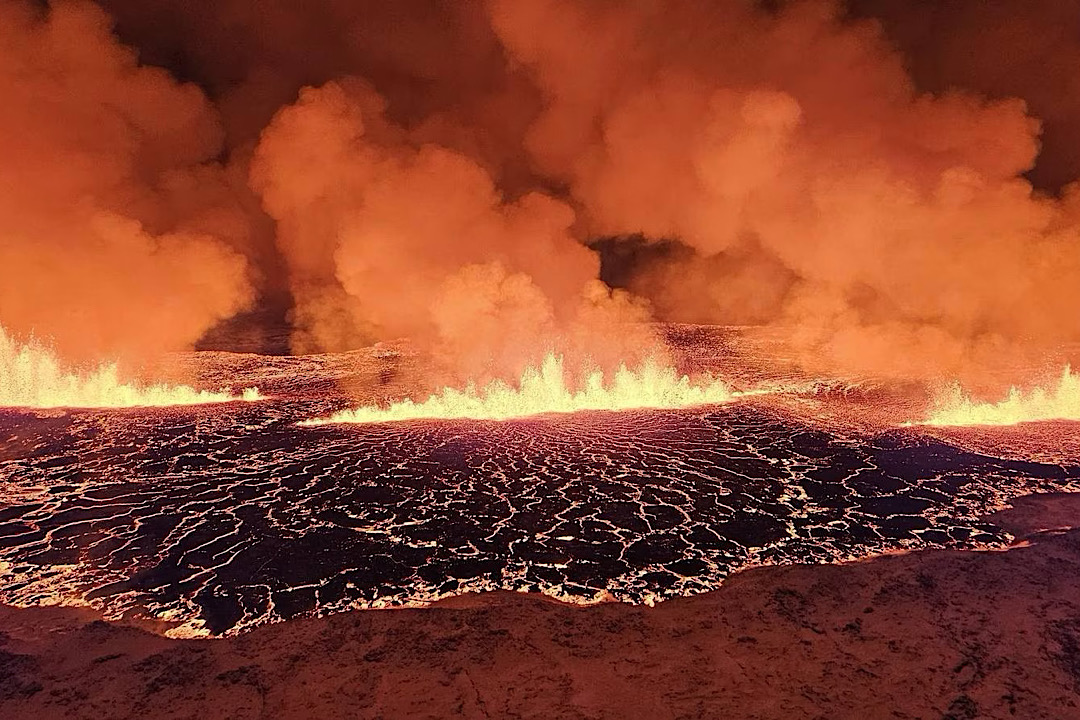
{"x": 547, "y": 390}
{"x": 32, "y": 376}
{"x": 1060, "y": 402}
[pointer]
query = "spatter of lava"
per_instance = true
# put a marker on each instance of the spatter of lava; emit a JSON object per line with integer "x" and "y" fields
{"x": 954, "y": 407}
{"x": 31, "y": 376}
{"x": 546, "y": 389}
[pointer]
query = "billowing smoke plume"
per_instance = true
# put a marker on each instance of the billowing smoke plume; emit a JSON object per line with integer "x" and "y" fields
{"x": 816, "y": 186}
{"x": 453, "y": 172}
{"x": 1006, "y": 49}
{"x": 437, "y": 63}
{"x": 115, "y": 229}
{"x": 386, "y": 237}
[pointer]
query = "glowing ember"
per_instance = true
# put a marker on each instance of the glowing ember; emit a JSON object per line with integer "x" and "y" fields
{"x": 32, "y": 376}
{"x": 545, "y": 390}
{"x": 1061, "y": 402}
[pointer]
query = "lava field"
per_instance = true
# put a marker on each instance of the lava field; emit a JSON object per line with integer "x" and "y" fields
{"x": 220, "y": 518}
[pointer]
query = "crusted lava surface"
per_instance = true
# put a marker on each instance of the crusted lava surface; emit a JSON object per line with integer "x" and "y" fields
{"x": 221, "y": 518}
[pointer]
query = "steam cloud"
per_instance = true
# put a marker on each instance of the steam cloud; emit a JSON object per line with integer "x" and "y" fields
{"x": 115, "y": 224}
{"x": 440, "y": 170}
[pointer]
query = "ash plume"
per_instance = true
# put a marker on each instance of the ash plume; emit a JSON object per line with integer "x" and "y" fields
{"x": 456, "y": 172}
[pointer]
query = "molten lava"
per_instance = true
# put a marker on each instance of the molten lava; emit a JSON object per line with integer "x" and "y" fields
{"x": 547, "y": 390}
{"x": 32, "y": 376}
{"x": 1060, "y": 402}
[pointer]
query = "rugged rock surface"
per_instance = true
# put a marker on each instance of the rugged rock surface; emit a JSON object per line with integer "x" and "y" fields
{"x": 931, "y": 634}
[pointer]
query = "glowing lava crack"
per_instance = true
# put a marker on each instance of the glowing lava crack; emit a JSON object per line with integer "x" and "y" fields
{"x": 32, "y": 377}
{"x": 546, "y": 390}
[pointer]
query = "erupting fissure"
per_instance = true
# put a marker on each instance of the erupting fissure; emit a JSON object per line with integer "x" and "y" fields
{"x": 1060, "y": 402}
{"x": 32, "y": 376}
{"x": 547, "y": 390}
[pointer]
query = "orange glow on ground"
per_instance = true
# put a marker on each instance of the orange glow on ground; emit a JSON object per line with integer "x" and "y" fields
{"x": 33, "y": 377}
{"x": 547, "y": 390}
{"x": 1059, "y": 402}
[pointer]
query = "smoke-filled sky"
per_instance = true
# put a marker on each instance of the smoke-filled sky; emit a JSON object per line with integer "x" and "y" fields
{"x": 865, "y": 178}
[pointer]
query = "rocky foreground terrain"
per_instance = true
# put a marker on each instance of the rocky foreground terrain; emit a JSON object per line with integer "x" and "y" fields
{"x": 929, "y": 634}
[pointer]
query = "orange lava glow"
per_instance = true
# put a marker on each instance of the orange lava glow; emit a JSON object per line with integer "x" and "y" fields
{"x": 1059, "y": 402}
{"x": 547, "y": 390}
{"x": 32, "y": 376}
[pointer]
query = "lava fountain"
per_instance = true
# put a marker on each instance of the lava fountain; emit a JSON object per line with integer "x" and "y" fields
{"x": 32, "y": 376}
{"x": 546, "y": 389}
{"x": 1059, "y": 402}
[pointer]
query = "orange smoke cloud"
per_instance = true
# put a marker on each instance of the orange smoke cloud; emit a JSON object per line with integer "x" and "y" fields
{"x": 794, "y": 149}
{"x": 439, "y": 170}
{"x": 1024, "y": 49}
{"x": 393, "y": 237}
{"x": 110, "y": 243}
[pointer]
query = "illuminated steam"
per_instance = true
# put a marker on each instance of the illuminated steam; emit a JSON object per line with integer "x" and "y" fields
{"x": 440, "y": 171}
{"x": 792, "y": 153}
{"x": 115, "y": 224}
